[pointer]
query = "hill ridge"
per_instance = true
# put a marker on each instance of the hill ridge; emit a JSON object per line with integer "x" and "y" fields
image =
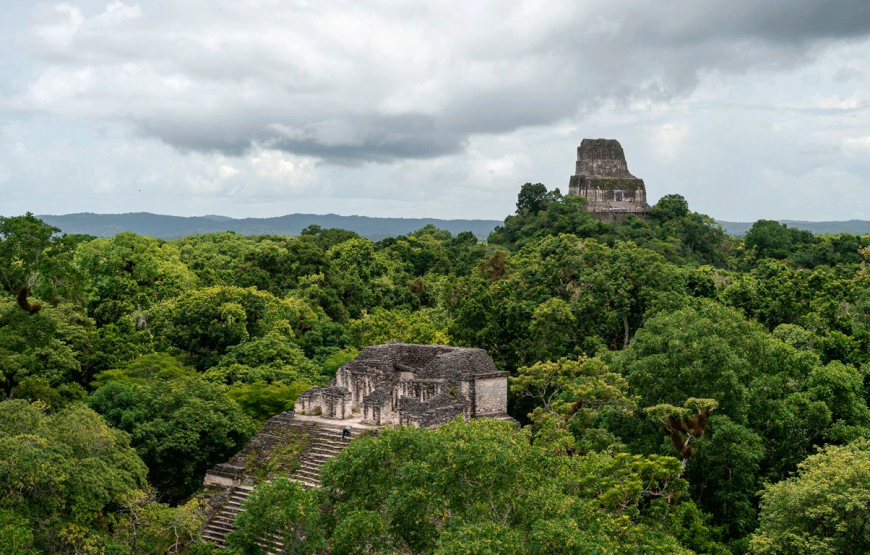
{"x": 167, "y": 226}
{"x": 172, "y": 227}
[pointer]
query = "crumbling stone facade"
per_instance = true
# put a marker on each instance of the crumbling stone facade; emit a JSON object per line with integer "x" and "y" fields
{"x": 602, "y": 177}
{"x": 419, "y": 385}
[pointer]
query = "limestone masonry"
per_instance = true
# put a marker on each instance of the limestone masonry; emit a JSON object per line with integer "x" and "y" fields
{"x": 419, "y": 385}
{"x": 602, "y": 177}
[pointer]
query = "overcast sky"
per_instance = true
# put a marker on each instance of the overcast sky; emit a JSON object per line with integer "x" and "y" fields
{"x": 252, "y": 108}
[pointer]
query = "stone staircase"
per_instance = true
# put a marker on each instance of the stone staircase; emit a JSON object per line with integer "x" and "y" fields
{"x": 221, "y": 523}
{"x": 324, "y": 443}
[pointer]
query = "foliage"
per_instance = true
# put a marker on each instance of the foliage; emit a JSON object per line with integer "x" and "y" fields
{"x": 16, "y": 538}
{"x": 60, "y": 470}
{"x": 203, "y": 325}
{"x": 283, "y": 508}
{"x": 572, "y": 394}
{"x": 144, "y": 370}
{"x": 823, "y": 509}
{"x": 129, "y": 273}
{"x": 426, "y": 327}
{"x": 780, "y": 402}
{"x": 261, "y": 401}
{"x": 271, "y": 358}
{"x": 31, "y": 345}
{"x": 480, "y": 486}
{"x": 180, "y": 427}
{"x": 36, "y": 256}
{"x": 38, "y": 389}
{"x": 619, "y": 338}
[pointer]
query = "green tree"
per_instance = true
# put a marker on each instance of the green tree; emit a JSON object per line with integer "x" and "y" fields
{"x": 145, "y": 370}
{"x": 770, "y": 239}
{"x": 24, "y": 241}
{"x": 532, "y": 199}
{"x": 202, "y": 325}
{"x": 271, "y": 358}
{"x": 32, "y": 345}
{"x": 477, "y": 487}
{"x": 262, "y": 400}
{"x": 129, "y": 274}
{"x": 725, "y": 473}
{"x": 180, "y": 428}
{"x": 571, "y": 395}
{"x": 364, "y": 277}
{"x": 16, "y": 538}
{"x": 425, "y": 326}
{"x": 38, "y": 389}
{"x": 285, "y": 509}
{"x": 69, "y": 465}
{"x": 670, "y": 207}
{"x": 823, "y": 509}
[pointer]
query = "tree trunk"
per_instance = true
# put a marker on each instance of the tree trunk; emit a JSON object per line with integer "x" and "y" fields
{"x": 625, "y": 327}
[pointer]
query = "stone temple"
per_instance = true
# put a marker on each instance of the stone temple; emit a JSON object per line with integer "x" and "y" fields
{"x": 417, "y": 385}
{"x": 602, "y": 177}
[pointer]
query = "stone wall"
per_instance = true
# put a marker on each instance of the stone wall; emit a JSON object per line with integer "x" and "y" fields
{"x": 490, "y": 396}
{"x": 331, "y": 402}
{"x": 601, "y": 157}
{"x": 418, "y": 384}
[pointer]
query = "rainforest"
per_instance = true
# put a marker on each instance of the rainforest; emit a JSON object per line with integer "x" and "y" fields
{"x": 678, "y": 390}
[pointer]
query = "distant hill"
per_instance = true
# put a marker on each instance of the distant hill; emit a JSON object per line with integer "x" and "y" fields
{"x": 855, "y": 227}
{"x": 171, "y": 227}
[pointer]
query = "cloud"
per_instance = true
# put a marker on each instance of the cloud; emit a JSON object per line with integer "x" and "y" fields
{"x": 55, "y": 27}
{"x": 669, "y": 137}
{"x": 846, "y": 74}
{"x": 382, "y": 81}
{"x": 856, "y": 145}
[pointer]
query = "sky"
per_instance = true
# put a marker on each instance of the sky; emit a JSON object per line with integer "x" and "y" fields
{"x": 437, "y": 109}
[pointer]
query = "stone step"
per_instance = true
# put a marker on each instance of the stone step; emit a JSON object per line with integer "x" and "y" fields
{"x": 317, "y": 458}
{"x": 324, "y": 443}
{"x": 321, "y": 434}
{"x": 337, "y": 431}
{"x": 223, "y": 521}
{"x": 310, "y": 465}
{"x": 308, "y": 476}
{"x": 305, "y": 483}
{"x": 310, "y": 468}
{"x": 326, "y": 446}
{"x": 211, "y": 533}
{"x": 215, "y": 539}
{"x": 320, "y": 451}
{"x": 220, "y": 527}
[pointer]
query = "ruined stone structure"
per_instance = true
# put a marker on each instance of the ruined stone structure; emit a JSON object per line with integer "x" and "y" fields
{"x": 419, "y": 385}
{"x": 602, "y": 177}
{"x": 288, "y": 445}
{"x": 392, "y": 384}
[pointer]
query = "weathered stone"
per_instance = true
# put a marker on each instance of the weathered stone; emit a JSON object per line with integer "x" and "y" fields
{"x": 602, "y": 177}
{"x": 420, "y": 385}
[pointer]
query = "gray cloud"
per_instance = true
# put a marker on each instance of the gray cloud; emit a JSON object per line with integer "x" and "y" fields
{"x": 397, "y": 83}
{"x": 430, "y": 108}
